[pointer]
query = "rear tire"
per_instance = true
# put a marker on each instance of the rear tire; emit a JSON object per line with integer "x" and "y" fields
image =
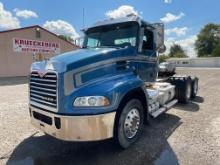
{"x": 183, "y": 87}
{"x": 195, "y": 85}
{"x": 130, "y": 123}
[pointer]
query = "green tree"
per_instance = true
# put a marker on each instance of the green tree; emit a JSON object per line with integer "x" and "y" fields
{"x": 177, "y": 51}
{"x": 163, "y": 58}
{"x": 216, "y": 51}
{"x": 207, "y": 40}
{"x": 67, "y": 38}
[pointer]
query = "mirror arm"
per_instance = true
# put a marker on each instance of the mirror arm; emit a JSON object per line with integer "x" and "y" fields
{"x": 141, "y": 34}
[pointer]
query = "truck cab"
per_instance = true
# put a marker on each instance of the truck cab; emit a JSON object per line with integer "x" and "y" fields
{"x": 106, "y": 89}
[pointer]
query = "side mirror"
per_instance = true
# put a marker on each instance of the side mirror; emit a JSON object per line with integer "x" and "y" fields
{"x": 159, "y": 37}
{"x": 162, "y": 49}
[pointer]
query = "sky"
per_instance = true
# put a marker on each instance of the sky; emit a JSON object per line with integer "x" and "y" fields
{"x": 183, "y": 19}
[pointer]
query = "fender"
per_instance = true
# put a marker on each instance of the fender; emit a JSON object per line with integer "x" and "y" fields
{"x": 114, "y": 88}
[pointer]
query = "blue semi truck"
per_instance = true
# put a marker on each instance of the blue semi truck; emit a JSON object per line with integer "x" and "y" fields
{"x": 109, "y": 88}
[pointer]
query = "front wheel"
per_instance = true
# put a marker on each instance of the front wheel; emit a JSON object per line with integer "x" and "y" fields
{"x": 130, "y": 123}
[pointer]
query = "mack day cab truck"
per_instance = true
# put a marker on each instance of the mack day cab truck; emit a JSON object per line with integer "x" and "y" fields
{"x": 109, "y": 87}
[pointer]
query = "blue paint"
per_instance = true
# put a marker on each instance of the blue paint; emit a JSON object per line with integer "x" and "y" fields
{"x": 112, "y": 87}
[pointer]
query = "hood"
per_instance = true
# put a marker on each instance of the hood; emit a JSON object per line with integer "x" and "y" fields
{"x": 78, "y": 58}
{"x": 80, "y": 54}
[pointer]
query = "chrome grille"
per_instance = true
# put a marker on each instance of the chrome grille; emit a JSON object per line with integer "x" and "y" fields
{"x": 43, "y": 90}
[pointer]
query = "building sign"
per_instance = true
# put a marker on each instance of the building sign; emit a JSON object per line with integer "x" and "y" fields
{"x": 35, "y": 46}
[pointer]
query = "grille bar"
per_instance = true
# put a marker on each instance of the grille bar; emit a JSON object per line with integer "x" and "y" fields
{"x": 44, "y": 80}
{"x": 43, "y": 93}
{"x": 36, "y": 75}
{"x": 41, "y": 101}
{"x": 52, "y": 90}
{"x": 47, "y": 85}
{"x": 43, "y": 90}
{"x": 39, "y": 96}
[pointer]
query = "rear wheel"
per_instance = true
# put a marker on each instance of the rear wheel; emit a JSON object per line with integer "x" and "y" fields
{"x": 130, "y": 123}
{"x": 183, "y": 88}
{"x": 195, "y": 87}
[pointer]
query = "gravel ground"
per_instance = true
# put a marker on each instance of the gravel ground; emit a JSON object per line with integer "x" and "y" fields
{"x": 186, "y": 134}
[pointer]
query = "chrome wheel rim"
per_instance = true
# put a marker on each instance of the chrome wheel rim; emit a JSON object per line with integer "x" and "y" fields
{"x": 132, "y": 122}
{"x": 188, "y": 91}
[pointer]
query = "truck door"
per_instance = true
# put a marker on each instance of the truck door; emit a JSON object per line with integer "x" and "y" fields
{"x": 147, "y": 57}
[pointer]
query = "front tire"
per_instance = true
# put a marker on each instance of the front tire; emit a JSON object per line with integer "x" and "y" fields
{"x": 130, "y": 123}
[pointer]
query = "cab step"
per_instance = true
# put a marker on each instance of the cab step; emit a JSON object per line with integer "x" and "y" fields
{"x": 164, "y": 108}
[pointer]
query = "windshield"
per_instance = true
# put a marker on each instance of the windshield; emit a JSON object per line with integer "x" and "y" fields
{"x": 119, "y": 35}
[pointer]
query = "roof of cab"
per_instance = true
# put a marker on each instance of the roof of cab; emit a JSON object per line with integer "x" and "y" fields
{"x": 129, "y": 18}
{"x": 132, "y": 18}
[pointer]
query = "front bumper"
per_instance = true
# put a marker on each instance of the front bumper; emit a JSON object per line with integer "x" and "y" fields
{"x": 74, "y": 128}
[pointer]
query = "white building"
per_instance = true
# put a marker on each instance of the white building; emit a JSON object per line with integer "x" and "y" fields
{"x": 196, "y": 62}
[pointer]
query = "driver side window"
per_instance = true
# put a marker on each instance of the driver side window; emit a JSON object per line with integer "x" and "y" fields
{"x": 148, "y": 43}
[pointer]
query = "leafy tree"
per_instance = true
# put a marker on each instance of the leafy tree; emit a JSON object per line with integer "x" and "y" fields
{"x": 207, "y": 40}
{"x": 67, "y": 38}
{"x": 216, "y": 51}
{"x": 177, "y": 51}
{"x": 163, "y": 58}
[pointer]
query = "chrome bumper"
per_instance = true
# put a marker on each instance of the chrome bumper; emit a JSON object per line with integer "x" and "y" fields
{"x": 74, "y": 128}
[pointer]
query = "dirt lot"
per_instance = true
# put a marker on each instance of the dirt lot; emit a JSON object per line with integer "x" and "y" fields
{"x": 187, "y": 134}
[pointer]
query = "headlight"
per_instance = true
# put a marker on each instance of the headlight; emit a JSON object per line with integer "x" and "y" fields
{"x": 91, "y": 101}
